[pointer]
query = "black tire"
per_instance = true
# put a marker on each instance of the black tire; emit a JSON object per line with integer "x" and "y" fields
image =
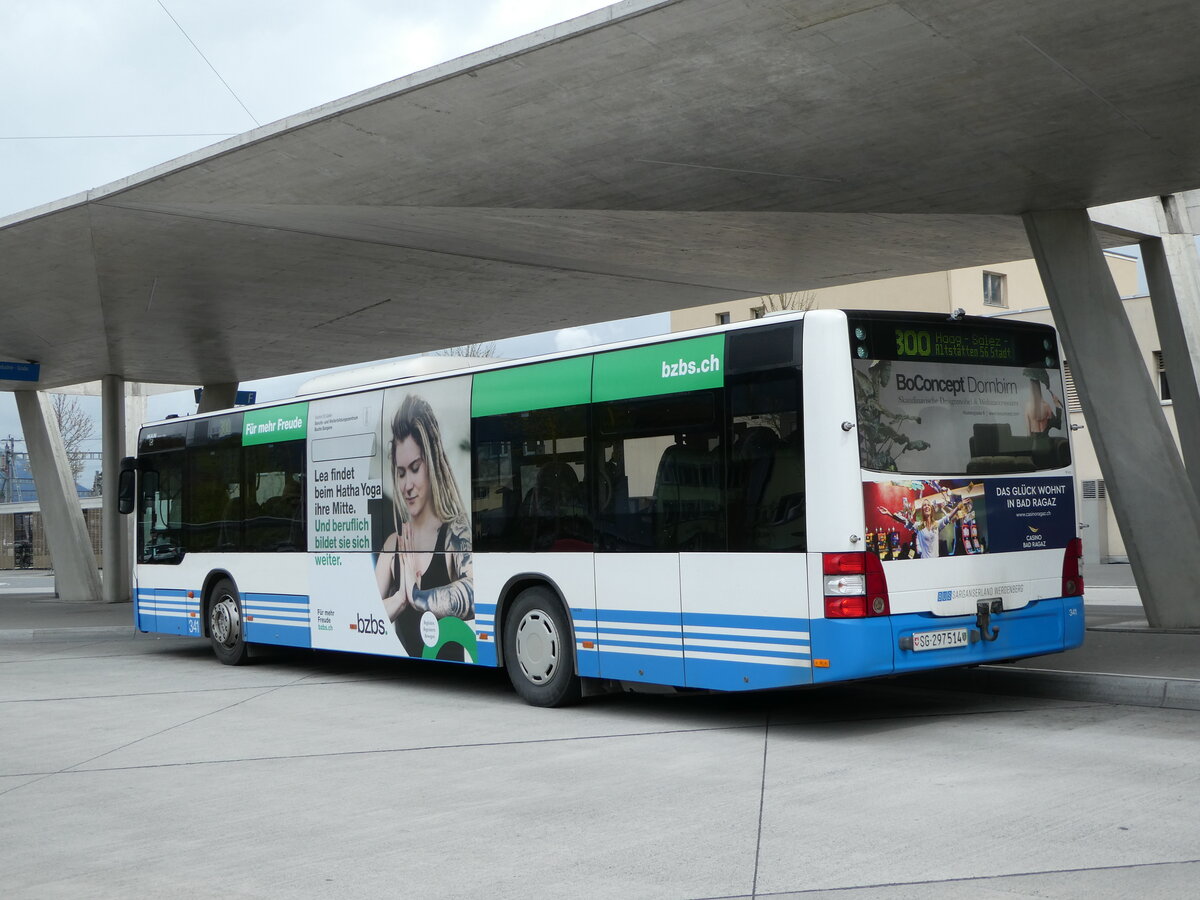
{"x": 224, "y": 620}
{"x": 539, "y": 653}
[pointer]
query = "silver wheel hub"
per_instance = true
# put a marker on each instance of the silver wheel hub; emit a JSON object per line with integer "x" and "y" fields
{"x": 538, "y": 646}
{"x": 224, "y": 622}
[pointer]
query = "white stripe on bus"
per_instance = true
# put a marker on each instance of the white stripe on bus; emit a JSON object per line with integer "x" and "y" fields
{"x": 746, "y": 645}
{"x": 763, "y": 660}
{"x": 642, "y": 651}
{"x": 746, "y": 632}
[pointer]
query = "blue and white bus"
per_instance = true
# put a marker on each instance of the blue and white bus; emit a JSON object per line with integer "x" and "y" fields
{"x": 804, "y": 499}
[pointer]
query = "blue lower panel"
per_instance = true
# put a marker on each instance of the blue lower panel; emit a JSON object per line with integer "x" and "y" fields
{"x": 1073, "y": 627}
{"x": 743, "y": 653}
{"x": 723, "y": 675}
{"x": 634, "y": 645}
{"x": 587, "y": 657}
{"x": 844, "y": 649}
{"x": 144, "y": 616}
{"x": 644, "y": 667}
{"x": 167, "y": 611}
{"x": 281, "y": 619}
{"x": 283, "y": 635}
{"x": 1032, "y": 631}
{"x": 587, "y": 662}
{"x": 485, "y": 652}
{"x": 484, "y": 623}
{"x": 862, "y": 648}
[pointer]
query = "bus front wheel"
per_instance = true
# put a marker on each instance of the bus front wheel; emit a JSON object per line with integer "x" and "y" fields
{"x": 538, "y": 652}
{"x": 225, "y": 629}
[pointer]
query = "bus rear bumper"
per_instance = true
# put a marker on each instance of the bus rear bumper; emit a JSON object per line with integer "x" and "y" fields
{"x": 866, "y": 648}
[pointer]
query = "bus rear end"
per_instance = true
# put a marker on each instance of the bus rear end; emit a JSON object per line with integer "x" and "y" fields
{"x": 959, "y": 546}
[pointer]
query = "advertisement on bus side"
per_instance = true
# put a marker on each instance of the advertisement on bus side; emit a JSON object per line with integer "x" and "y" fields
{"x": 389, "y": 522}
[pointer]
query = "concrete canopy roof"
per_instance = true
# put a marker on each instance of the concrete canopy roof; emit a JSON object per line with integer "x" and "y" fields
{"x": 649, "y": 156}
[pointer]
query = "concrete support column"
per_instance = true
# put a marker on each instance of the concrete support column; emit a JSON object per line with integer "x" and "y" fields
{"x": 1143, "y": 472}
{"x": 1173, "y": 277}
{"x": 114, "y": 530}
{"x": 218, "y": 396}
{"x": 75, "y": 574}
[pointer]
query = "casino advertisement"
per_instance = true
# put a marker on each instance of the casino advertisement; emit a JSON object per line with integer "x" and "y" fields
{"x": 919, "y": 416}
{"x": 933, "y": 518}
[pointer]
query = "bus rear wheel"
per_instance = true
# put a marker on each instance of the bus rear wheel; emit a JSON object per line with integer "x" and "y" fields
{"x": 225, "y": 629}
{"x": 538, "y": 652}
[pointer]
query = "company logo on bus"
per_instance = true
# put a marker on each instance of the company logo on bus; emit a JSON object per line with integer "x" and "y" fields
{"x": 1035, "y": 540}
{"x": 691, "y": 366}
{"x": 369, "y": 625}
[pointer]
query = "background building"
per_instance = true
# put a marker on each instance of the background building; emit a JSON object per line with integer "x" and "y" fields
{"x": 22, "y": 536}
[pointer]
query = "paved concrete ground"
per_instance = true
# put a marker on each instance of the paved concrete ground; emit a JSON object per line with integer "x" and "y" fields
{"x": 138, "y": 766}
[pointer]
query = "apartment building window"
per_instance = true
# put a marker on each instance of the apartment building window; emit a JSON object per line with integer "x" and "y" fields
{"x": 994, "y": 289}
{"x": 1164, "y": 388}
{"x": 722, "y": 318}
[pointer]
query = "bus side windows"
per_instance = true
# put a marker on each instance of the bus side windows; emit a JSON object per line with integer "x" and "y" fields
{"x": 663, "y": 473}
{"x": 274, "y": 492}
{"x": 160, "y": 508}
{"x": 240, "y": 499}
{"x": 212, "y": 507}
{"x": 766, "y": 478}
{"x": 529, "y": 488}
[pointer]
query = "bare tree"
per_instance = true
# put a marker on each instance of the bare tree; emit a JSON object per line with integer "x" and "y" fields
{"x": 792, "y": 301}
{"x": 76, "y": 428}
{"x": 486, "y": 348}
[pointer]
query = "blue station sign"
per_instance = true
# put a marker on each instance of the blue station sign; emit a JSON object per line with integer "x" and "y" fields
{"x": 19, "y": 371}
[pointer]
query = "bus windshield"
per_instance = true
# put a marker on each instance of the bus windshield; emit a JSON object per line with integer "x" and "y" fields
{"x": 954, "y": 398}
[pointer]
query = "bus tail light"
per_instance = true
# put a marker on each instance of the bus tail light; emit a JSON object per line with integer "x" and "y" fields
{"x": 854, "y": 586}
{"x": 1072, "y": 580}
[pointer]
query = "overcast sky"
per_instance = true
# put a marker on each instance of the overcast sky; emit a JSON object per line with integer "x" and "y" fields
{"x": 95, "y": 90}
{"x": 83, "y": 77}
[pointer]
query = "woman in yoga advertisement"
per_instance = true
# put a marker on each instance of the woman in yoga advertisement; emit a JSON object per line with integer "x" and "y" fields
{"x": 424, "y": 570}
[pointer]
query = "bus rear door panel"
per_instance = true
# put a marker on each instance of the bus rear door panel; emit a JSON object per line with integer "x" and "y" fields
{"x": 728, "y": 648}
{"x": 639, "y": 625}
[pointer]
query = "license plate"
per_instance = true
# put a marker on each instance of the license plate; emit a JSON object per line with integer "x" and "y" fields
{"x": 939, "y": 640}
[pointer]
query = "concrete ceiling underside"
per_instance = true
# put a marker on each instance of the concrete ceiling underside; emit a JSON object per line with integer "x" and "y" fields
{"x": 646, "y": 157}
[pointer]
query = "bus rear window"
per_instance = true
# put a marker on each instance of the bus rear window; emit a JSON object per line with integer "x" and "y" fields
{"x": 941, "y": 418}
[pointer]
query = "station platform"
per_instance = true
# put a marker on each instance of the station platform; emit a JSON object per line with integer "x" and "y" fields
{"x": 1122, "y": 659}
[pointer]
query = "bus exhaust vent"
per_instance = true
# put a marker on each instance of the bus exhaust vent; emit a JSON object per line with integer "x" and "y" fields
{"x": 1094, "y": 490}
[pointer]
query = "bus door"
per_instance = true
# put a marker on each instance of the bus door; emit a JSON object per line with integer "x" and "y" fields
{"x": 639, "y": 624}
{"x": 638, "y": 620}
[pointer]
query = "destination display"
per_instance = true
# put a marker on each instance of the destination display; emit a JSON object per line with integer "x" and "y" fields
{"x": 951, "y": 342}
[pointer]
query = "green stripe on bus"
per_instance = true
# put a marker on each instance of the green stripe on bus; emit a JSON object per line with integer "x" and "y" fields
{"x": 669, "y": 368}
{"x": 563, "y": 382}
{"x": 276, "y": 423}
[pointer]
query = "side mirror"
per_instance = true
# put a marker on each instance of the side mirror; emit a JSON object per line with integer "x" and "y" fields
{"x": 127, "y": 486}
